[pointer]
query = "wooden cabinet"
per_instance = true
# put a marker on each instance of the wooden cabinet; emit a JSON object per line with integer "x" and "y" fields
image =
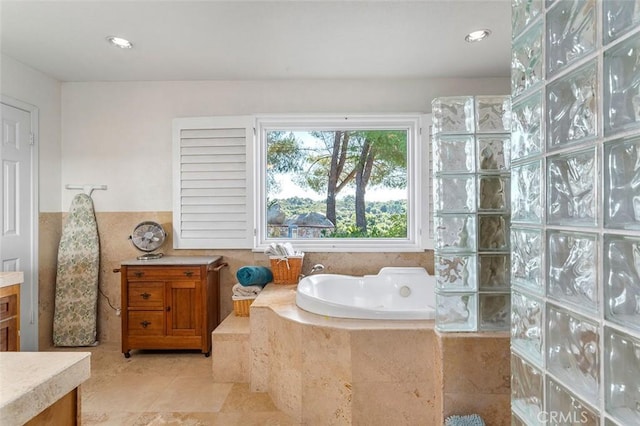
{"x": 170, "y": 303}
{"x": 10, "y": 318}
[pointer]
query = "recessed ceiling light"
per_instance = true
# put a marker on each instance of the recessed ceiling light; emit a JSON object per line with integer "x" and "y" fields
{"x": 477, "y": 35}
{"x": 120, "y": 42}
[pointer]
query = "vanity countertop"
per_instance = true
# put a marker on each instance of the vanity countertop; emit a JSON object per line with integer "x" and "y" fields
{"x": 173, "y": 261}
{"x": 33, "y": 381}
{"x": 11, "y": 278}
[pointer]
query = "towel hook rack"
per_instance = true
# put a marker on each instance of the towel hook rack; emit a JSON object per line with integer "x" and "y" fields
{"x": 87, "y": 188}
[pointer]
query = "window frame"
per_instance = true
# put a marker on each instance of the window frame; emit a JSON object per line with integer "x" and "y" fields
{"x": 418, "y": 191}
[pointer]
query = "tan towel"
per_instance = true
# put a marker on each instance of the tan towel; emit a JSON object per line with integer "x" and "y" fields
{"x": 246, "y": 291}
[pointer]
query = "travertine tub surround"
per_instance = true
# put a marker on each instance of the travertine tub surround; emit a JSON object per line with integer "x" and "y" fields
{"x": 323, "y": 370}
{"x": 114, "y": 229}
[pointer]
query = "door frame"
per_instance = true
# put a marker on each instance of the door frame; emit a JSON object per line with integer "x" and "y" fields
{"x": 28, "y": 342}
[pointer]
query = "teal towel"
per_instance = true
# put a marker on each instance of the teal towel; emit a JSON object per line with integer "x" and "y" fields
{"x": 471, "y": 420}
{"x": 254, "y": 275}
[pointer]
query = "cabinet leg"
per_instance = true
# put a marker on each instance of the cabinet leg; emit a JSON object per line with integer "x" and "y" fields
{"x": 127, "y": 354}
{"x": 207, "y": 354}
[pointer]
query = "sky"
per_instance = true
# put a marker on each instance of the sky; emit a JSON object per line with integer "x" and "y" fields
{"x": 289, "y": 189}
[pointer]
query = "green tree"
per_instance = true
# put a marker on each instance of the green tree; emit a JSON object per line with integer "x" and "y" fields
{"x": 284, "y": 155}
{"x": 382, "y": 161}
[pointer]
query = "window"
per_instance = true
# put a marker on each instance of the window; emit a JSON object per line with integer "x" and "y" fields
{"x": 324, "y": 183}
{"x": 340, "y": 182}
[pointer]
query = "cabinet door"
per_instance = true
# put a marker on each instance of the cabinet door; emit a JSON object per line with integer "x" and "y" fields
{"x": 184, "y": 308}
{"x": 9, "y": 335}
{"x": 9, "y": 323}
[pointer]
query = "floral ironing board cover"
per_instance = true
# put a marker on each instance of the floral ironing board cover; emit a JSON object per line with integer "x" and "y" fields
{"x": 76, "y": 297}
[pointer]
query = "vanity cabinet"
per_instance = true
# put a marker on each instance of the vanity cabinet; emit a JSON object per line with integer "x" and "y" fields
{"x": 10, "y": 318}
{"x": 170, "y": 303}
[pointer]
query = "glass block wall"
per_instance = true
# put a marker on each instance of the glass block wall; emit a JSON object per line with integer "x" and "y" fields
{"x": 471, "y": 203}
{"x": 575, "y": 212}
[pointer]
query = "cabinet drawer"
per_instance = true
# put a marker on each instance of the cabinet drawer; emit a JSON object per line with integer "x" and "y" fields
{"x": 146, "y": 323}
{"x": 8, "y": 306}
{"x": 146, "y": 295}
{"x": 164, "y": 273}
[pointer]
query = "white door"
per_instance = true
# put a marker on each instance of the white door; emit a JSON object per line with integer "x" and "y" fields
{"x": 19, "y": 215}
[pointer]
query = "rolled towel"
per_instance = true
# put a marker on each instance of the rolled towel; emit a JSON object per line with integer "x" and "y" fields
{"x": 246, "y": 291}
{"x": 254, "y": 275}
{"x": 470, "y": 420}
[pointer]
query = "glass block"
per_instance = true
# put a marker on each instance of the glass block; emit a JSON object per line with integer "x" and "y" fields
{"x": 494, "y": 272}
{"x": 526, "y": 127}
{"x": 526, "y": 60}
{"x": 526, "y": 390}
{"x": 622, "y": 280}
{"x": 619, "y": 17}
{"x": 493, "y": 232}
{"x": 456, "y": 311}
{"x": 571, "y": 33}
{"x": 495, "y": 311}
{"x": 456, "y": 272}
{"x": 493, "y": 114}
{"x": 526, "y": 258}
{"x": 453, "y": 115}
{"x": 493, "y": 193}
{"x": 526, "y": 196}
{"x": 455, "y": 233}
{"x": 454, "y": 194}
{"x": 622, "y": 377}
{"x": 571, "y": 188}
{"x": 622, "y": 86}
{"x": 563, "y": 407}
{"x": 572, "y": 107}
{"x": 515, "y": 421}
{"x": 494, "y": 153}
{"x": 454, "y": 154}
{"x": 526, "y": 326}
{"x": 622, "y": 184}
{"x": 523, "y": 12}
{"x": 573, "y": 272}
{"x": 573, "y": 351}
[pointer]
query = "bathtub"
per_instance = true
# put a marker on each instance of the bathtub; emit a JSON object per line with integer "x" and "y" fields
{"x": 395, "y": 293}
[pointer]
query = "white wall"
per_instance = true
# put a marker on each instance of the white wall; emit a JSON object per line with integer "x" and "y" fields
{"x": 119, "y": 134}
{"x": 31, "y": 86}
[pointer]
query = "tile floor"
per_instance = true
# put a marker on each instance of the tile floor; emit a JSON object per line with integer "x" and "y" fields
{"x": 167, "y": 388}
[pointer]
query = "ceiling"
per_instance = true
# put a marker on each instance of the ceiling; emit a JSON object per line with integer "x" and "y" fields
{"x": 242, "y": 40}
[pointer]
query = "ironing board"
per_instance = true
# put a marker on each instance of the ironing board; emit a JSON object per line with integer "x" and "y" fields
{"x": 76, "y": 298}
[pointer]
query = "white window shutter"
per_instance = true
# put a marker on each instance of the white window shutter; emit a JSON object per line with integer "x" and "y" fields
{"x": 212, "y": 178}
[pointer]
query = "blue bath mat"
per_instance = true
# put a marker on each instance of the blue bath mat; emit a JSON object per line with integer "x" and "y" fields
{"x": 470, "y": 420}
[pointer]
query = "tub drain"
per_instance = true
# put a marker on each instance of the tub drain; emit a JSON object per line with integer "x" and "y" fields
{"x": 405, "y": 291}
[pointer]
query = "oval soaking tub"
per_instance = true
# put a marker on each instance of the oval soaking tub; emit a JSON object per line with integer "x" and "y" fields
{"x": 395, "y": 293}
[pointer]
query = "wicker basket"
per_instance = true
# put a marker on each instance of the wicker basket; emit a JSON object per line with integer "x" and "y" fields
{"x": 286, "y": 270}
{"x": 241, "y": 307}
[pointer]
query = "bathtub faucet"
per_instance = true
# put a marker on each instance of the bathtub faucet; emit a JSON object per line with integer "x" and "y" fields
{"x": 319, "y": 267}
{"x": 316, "y": 268}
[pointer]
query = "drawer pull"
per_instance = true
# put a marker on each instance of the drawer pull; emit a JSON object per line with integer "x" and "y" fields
{"x": 145, "y": 296}
{"x": 168, "y": 308}
{"x": 145, "y": 324}
{"x": 138, "y": 274}
{"x": 188, "y": 273}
